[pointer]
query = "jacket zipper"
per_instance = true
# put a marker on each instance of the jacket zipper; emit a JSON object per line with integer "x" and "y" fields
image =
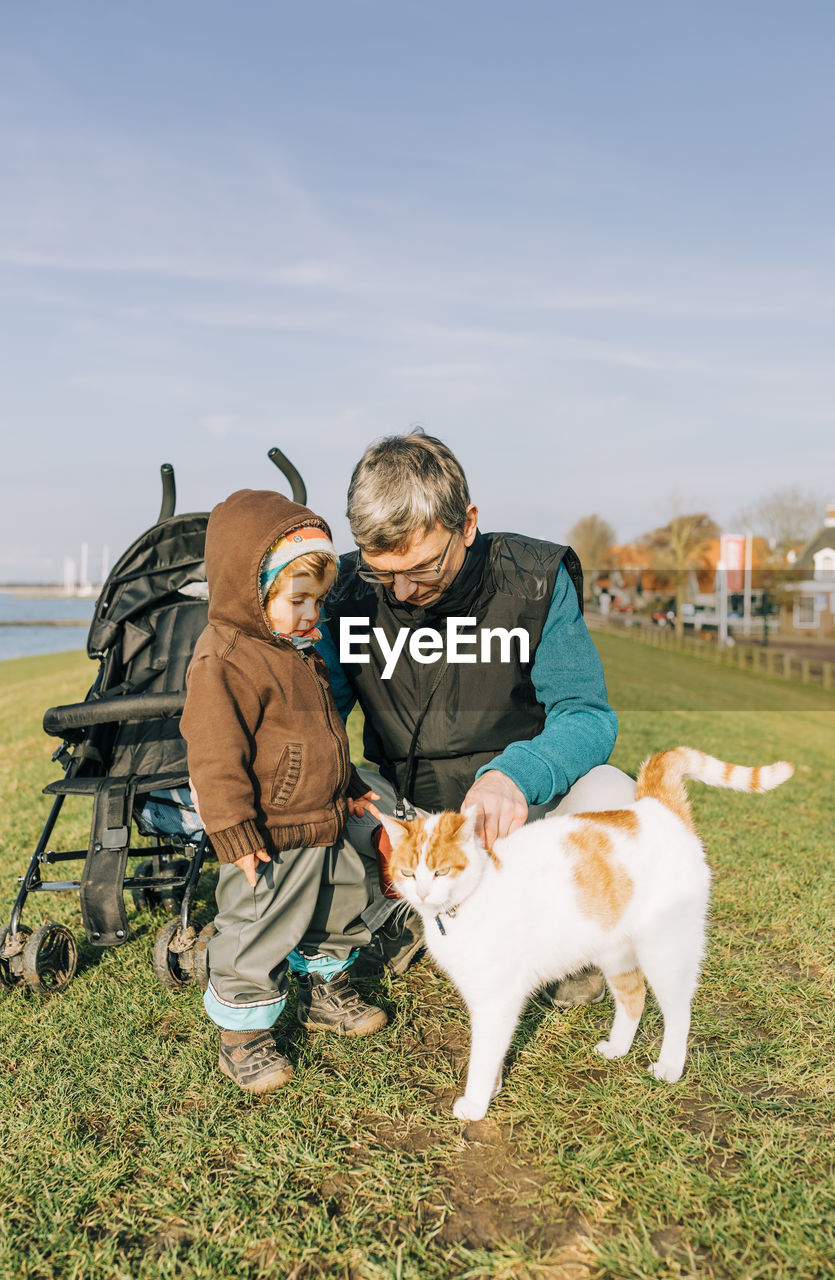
{"x": 342, "y": 775}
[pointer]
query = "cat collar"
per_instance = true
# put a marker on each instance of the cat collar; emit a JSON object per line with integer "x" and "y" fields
{"x": 439, "y": 922}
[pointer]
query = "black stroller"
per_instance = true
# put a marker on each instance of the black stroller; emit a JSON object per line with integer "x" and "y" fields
{"x": 122, "y": 747}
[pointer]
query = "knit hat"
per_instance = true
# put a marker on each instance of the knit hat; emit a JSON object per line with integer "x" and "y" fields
{"x": 298, "y": 542}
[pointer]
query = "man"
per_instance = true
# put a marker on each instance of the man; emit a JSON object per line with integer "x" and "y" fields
{"x": 507, "y": 715}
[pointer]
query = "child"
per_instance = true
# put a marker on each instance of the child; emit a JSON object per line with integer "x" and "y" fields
{"x": 268, "y": 757}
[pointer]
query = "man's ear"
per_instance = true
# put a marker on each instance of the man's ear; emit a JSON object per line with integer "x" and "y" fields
{"x": 471, "y": 525}
{"x": 394, "y": 830}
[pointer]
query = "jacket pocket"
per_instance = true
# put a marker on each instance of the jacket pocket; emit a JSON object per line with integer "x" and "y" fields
{"x": 287, "y": 774}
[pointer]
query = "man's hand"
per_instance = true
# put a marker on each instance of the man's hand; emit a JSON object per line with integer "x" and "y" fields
{"x": 361, "y": 805}
{"x": 249, "y": 864}
{"x": 500, "y": 807}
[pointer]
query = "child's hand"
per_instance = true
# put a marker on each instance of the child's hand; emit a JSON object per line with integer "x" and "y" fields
{"x": 249, "y": 864}
{"x": 362, "y": 805}
{"x": 192, "y": 792}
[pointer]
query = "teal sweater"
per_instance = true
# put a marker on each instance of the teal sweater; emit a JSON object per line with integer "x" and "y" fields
{"x": 580, "y": 727}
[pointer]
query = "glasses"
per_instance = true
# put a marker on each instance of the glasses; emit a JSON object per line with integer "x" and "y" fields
{"x": 385, "y": 577}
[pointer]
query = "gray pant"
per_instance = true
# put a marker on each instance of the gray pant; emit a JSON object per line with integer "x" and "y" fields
{"x": 311, "y": 897}
{"x": 603, "y": 787}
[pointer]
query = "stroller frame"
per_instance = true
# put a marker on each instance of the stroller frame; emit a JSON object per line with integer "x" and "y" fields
{"x": 124, "y": 718}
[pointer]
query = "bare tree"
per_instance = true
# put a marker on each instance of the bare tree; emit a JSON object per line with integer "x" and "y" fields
{"x": 788, "y": 518}
{"x": 592, "y": 538}
{"x": 680, "y": 546}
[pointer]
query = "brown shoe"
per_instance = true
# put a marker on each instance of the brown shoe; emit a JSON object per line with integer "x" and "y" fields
{"x": 336, "y": 1006}
{"x": 252, "y": 1061}
{"x": 586, "y": 987}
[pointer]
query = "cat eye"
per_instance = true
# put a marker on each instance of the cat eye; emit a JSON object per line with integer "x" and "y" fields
{"x": 442, "y": 871}
{"x": 409, "y": 875}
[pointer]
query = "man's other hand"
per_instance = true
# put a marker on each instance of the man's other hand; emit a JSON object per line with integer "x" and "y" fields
{"x": 499, "y": 805}
{"x": 361, "y": 805}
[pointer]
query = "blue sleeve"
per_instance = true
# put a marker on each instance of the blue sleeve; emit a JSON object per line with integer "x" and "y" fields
{"x": 343, "y": 694}
{"x": 580, "y": 727}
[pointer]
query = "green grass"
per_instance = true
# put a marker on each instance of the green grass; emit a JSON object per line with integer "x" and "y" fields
{"x": 124, "y": 1153}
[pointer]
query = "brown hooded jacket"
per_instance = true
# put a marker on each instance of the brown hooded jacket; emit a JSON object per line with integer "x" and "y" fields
{"x": 267, "y": 749}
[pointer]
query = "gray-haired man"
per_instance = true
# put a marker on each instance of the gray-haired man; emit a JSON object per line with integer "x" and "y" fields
{"x": 469, "y": 657}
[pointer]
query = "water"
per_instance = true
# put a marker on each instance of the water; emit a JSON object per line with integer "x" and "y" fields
{"x": 25, "y": 642}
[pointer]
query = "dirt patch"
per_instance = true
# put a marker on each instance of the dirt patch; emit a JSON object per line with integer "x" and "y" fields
{"x": 336, "y": 1192}
{"x": 441, "y": 1099}
{"x": 192, "y": 1101}
{"x": 705, "y": 1121}
{"x": 800, "y": 973}
{"x": 451, "y": 1043}
{"x": 765, "y": 935}
{"x": 405, "y": 1136}
{"x": 226, "y": 1158}
{"x": 167, "y": 1027}
{"x": 770, "y": 1093}
{"x": 671, "y": 1244}
{"x": 266, "y": 1258}
{"x": 589, "y": 1075}
{"x": 174, "y": 1235}
{"x": 495, "y": 1193}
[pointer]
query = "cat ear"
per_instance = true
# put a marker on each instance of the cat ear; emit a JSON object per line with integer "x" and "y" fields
{"x": 468, "y": 812}
{"x": 394, "y": 830}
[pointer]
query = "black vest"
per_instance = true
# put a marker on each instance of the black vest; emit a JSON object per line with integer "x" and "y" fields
{"x": 479, "y": 707}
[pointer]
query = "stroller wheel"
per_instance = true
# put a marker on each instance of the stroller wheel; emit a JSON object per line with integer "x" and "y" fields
{"x": 172, "y": 966}
{"x": 200, "y": 961}
{"x": 50, "y": 959}
{"x": 11, "y": 969}
{"x": 167, "y": 899}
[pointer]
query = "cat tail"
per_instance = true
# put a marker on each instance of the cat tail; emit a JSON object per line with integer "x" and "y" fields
{"x": 662, "y": 777}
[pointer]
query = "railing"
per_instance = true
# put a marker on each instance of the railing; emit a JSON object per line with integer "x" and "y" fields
{"x": 768, "y": 660}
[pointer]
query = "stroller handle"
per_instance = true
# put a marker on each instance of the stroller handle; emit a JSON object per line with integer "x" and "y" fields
{"x": 169, "y": 492}
{"x": 297, "y": 485}
{"x": 140, "y": 706}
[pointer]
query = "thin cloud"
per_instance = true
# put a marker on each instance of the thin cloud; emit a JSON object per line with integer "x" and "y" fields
{"x": 440, "y": 370}
{"x": 219, "y": 425}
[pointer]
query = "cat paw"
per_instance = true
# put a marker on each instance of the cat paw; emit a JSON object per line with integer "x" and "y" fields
{"x": 664, "y": 1071}
{"x": 466, "y": 1110}
{"x": 607, "y": 1050}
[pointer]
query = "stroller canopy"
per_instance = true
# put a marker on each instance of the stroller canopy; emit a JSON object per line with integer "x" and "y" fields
{"x": 160, "y": 565}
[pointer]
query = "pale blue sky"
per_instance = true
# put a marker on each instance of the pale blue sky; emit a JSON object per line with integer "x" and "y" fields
{"x": 589, "y": 245}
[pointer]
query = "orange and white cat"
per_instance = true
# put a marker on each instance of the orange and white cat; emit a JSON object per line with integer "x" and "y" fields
{"x": 625, "y": 890}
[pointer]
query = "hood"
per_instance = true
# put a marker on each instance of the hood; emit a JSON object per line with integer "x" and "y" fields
{"x": 240, "y": 532}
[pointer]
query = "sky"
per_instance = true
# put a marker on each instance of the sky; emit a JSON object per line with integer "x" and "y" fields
{"x": 590, "y": 246}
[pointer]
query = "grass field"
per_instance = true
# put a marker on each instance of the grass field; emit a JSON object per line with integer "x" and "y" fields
{"x": 125, "y": 1154}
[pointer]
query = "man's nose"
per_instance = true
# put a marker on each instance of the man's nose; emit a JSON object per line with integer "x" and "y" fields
{"x": 403, "y": 588}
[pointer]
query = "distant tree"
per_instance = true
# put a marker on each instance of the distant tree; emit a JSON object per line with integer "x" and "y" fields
{"x": 788, "y": 518}
{"x": 680, "y": 546}
{"x": 592, "y": 538}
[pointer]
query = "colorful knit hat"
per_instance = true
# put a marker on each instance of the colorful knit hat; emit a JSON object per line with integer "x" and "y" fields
{"x": 298, "y": 542}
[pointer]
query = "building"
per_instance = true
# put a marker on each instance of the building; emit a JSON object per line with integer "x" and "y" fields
{"x": 810, "y": 596}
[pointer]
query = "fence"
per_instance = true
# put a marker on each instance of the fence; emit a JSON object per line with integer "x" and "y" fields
{"x": 769, "y": 660}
